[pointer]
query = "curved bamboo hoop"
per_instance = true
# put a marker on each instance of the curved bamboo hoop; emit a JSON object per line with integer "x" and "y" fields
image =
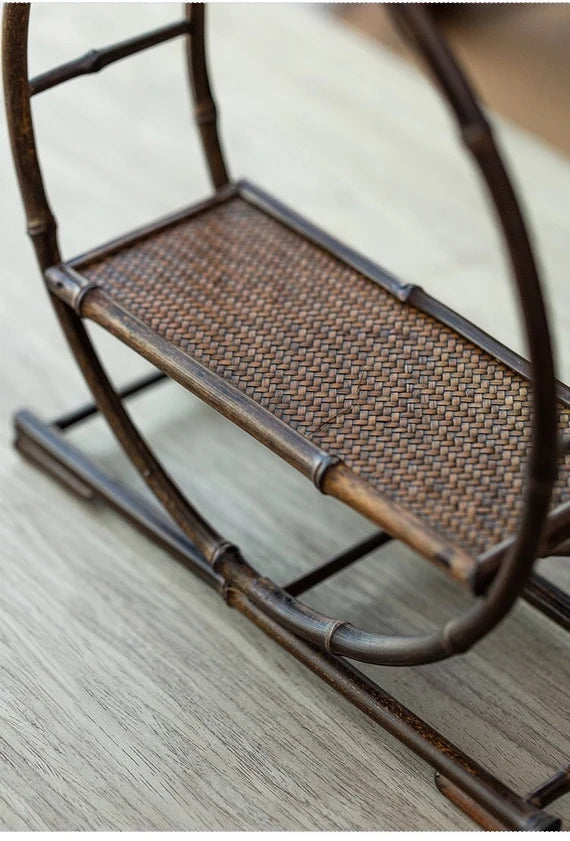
{"x": 338, "y": 637}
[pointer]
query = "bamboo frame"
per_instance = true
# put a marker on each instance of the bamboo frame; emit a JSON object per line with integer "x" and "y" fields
{"x": 272, "y": 608}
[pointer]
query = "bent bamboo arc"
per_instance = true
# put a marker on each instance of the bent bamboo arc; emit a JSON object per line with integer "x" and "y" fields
{"x": 42, "y": 229}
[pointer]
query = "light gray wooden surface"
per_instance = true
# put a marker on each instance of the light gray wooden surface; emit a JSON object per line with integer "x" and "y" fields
{"x": 130, "y": 696}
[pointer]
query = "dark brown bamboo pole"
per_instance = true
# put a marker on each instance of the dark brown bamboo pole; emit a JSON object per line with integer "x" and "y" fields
{"x": 95, "y": 60}
{"x": 205, "y": 110}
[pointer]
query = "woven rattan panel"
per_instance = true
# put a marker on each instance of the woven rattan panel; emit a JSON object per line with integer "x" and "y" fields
{"x": 434, "y": 422}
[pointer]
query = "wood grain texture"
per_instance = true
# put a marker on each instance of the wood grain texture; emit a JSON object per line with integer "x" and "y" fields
{"x": 132, "y": 697}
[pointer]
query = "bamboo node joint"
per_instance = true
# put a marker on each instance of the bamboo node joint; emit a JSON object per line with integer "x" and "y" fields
{"x": 69, "y": 285}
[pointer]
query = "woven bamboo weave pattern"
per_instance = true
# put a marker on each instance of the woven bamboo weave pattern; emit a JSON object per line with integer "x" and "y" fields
{"x": 434, "y": 422}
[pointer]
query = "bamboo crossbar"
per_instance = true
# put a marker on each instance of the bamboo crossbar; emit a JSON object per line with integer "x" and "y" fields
{"x": 337, "y": 564}
{"x": 95, "y": 60}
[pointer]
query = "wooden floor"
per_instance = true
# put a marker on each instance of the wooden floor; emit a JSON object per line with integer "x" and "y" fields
{"x": 131, "y": 696}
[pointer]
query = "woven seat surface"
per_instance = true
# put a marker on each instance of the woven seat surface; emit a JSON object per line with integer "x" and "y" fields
{"x": 434, "y": 422}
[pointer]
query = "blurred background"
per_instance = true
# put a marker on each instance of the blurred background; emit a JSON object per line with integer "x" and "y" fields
{"x": 518, "y": 52}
